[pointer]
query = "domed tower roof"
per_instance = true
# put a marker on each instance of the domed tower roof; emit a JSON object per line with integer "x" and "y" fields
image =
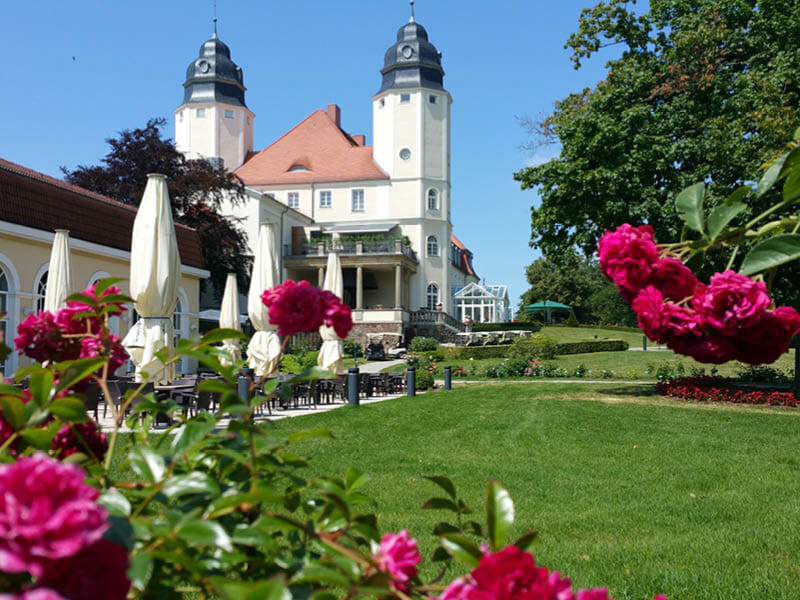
{"x": 413, "y": 61}
{"x": 213, "y": 76}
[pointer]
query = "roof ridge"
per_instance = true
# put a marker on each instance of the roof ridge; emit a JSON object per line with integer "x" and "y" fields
{"x": 283, "y": 136}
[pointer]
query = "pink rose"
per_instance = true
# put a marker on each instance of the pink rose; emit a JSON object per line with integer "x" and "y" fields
{"x": 47, "y": 513}
{"x": 627, "y": 257}
{"x": 731, "y": 301}
{"x": 105, "y": 345}
{"x": 98, "y": 571}
{"x": 715, "y": 349}
{"x": 766, "y": 341}
{"x": 398, "y": 556}
{"x": 336, "y": 314}
{"x": 649, "y": 306}
{"x": 40, "y": 338}
{"x": 116, "y": 308}
{"x": 80, "y": 437}
{"x": 294, "y": 307}
{"x": 673, "y": 279}
{"x": 595, "y": 594}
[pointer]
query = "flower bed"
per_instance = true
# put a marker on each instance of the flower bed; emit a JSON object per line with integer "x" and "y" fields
{"x": 716, "y": 389}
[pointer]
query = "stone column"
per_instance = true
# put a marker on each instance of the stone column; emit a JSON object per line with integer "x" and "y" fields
{"x": 321, "y": 276}
{"x": 359, "y": 287}
{"x": 398, "y": 286}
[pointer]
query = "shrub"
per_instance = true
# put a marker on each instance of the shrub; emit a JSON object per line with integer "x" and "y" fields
{"x": 290, "y": 363}
{"x": 424, "y": 380}
{"x": 352, "y": 348}
{"x": 513, "y": 367}
{"x": 666, "y": 369}
{"x": 537, "y": 346}
{"x": 763, "y": 374}
{"x": 525, "y": 348}
{"x": 585, "y": 347}
{"x": 713, "y": 389}
{"x": 476, "y": 352}
{"x": 535, "y": 326}
{"x": 572, "y": 320}
{"x": 423, "y": 344}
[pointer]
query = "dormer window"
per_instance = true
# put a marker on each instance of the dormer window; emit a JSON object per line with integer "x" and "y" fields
{"x": 404, "y": 98}
{"x": 228, "y": 114}
{"x": 298, "y": 168}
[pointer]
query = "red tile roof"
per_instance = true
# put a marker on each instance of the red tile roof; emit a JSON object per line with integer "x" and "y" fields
{"x": 318, "y": 144}
{"x": 36, "y": 200}
{"x": 465, "y": 254}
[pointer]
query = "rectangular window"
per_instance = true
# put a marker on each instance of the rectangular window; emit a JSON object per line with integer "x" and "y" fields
{"x": 325, "y": 200}
{"x": 201, "y": 112}
{"x": 405, "y": 98}
{"x": 358, "y": 201}
{"x": 228, "y": 114}
{"x": 432, "y": 99}
{"x": 293, "y": 200}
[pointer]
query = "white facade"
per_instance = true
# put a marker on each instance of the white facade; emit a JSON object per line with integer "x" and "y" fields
{"x": 214, "y": 130}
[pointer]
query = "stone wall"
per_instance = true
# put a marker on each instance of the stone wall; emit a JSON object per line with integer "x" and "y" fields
{"x": 360, "y": 331}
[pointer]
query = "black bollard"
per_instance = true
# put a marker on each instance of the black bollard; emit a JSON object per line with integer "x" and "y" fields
{"x": 448, "y": 377}
{"x": 644, "y": 342}
{"x": 243, "y": 388}
{"x": 352, "y": 386}
{"x": 411, "y": 381}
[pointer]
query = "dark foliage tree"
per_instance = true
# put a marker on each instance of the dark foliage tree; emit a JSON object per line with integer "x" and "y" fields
{"x": 705, "y": 90}
{"x": 196, "y": 188}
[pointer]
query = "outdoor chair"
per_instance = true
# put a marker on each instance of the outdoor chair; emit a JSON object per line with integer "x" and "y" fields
{"x": 93, "y": 395}
{"x": 365, "y": 384}
{"x": 118, "y": 390}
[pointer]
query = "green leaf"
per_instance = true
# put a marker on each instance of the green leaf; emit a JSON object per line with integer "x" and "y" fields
{"x": 120, "y": 532}
{"x": 310, "y": 434}
{"x": 791, "y": 187}
{"x": 115, "y": 503}
{"x": 39, "y": 438}
{"x": 689, "y": 205}
{"x": 354, "y": 479}
{"x": 321, "y": 575}
{"x": 105, "y": 283}
{"x": 727, "y": 211}
{"x": 444, "y": 483}
{"x": 770, "y": 253}
{"x": 499, "y": 514}
{"x": 219, "y": 335}
{"x": 215, "y": 386}
{"x": 13, "y": 410}
{"x": 146, "y": 463}
{"x": 11, "y": 390}
{"x": 69, "y": 408}
{"x": 441, "y": 504}
{"x": 771, "y": 176}
{"x": 41, "y": 386}
{"x": 140, "y": 570}
{"x": 273, "y": 589}
{"x": 188, "y": 435}
{"x": 206, "y": 533}
{"x": 78, "y": 370}
{"x": 527, "y": 542}
{"x": 190, "y": 484}
{"x": 462, "y": 549}
{"x": 82, "y": 298}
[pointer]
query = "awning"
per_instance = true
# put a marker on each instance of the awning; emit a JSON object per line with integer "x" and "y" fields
{"x": 212, "y": 314}
{"x": 373, "y": 228}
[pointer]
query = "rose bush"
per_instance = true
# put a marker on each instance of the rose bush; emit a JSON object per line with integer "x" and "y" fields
{"x": 209, "y": 508}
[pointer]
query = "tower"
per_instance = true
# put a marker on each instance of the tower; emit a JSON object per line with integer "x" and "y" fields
{"x": 213, "y": 121}
{"x": 411, "y": 132}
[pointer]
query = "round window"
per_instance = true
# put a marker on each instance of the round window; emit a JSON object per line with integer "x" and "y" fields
{"x": 405, "y": 153}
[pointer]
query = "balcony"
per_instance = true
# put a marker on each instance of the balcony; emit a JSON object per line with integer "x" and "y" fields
{"x": 371, "y": 248}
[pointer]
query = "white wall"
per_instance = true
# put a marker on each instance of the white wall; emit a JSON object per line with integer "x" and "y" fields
{"x": 214, "y": 134}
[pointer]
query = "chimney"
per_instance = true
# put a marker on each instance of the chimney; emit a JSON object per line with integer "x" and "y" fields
{"x": 335, "y": 114}
{"x": 360, "y": 139}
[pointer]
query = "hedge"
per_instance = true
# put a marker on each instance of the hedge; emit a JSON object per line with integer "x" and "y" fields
{"x": 499, "y": 351}
{"x": 505, "y": 327}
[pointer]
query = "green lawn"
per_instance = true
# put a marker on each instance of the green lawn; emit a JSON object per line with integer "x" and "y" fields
{"x": 625, "y": 364}
{"x": 642, "y": 494}
{"x": 575, "y": 334}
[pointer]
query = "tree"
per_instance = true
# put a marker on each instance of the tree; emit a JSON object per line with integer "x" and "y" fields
{"x": 704, "y": 90}
{"x": 579, "y": 284}
{"x": 196, "y": 188}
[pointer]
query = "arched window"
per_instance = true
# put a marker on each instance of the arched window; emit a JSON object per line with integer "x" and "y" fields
{"x": 433, "y": 246}
{"x": 3, "y": 310}
{"x": 433, "y": 296}
{"x": 41, "y": 289}
{"x": 433, "y": 199}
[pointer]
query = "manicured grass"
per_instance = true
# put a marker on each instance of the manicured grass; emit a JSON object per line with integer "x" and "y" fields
{"x": 642, "y": 494}
{"x": 575, "y": 334}
{"x": 626, "y": 365}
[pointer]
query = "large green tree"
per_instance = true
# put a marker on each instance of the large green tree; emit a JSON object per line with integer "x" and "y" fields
{"x": 197, "y": 189}
{"x": 704, "y": 90}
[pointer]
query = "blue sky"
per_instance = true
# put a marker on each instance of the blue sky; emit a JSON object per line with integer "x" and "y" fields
{"x": 79, "y": 72}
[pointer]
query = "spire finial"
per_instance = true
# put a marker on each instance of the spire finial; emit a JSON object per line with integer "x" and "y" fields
{"x": 411, "y": 20}
{"x": 215, "y": 19}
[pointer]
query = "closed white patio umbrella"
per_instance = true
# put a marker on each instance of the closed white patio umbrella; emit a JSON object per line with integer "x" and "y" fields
{"x": 332, "y": 351}
{"x": 229, "y": 317}
{"x": 264, "y": 348}
{"x": 155, "y": 271}
{"x": 59, "y": 273}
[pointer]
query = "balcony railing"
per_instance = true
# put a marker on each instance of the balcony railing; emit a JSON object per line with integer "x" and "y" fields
{"x": 351, "y": 248}
{"x": 435, "y": 317}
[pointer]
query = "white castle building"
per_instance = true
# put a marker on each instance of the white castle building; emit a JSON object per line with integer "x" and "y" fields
{"x": 385, "y": 208}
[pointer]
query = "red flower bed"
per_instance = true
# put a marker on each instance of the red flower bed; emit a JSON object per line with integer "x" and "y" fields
{"x": 715, "y": 389}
